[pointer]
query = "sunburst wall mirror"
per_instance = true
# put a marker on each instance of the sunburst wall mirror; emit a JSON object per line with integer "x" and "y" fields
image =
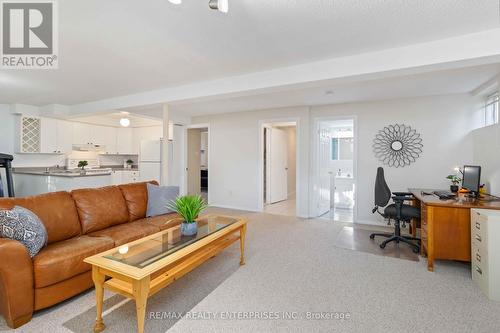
{"x": 397, "y": 145}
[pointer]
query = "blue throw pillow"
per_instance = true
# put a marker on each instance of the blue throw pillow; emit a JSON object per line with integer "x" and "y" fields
{"x": 158, "y": 197}
{"x": 23, "y": 225}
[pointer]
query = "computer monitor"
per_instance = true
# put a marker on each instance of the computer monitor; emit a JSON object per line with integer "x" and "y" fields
{"x": 472, "y": 178}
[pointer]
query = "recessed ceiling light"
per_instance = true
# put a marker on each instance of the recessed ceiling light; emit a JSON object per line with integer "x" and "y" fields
{"x": 220, "y": 5}
{"x": 175, "y": 2}
{"x": 125, "y": 122}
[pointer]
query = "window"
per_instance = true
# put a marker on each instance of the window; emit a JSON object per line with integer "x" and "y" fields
{"x": 491, "y": 110}
{"x": 335, "y": 149}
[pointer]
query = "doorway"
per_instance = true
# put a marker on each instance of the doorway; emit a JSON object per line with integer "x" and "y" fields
{"x": 279, "y": 168}
{"x": 197, "y": 161}
{"x": 335, "y": 168}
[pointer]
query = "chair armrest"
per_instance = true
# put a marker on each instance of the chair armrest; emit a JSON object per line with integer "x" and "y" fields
{"x": 16, "y": 283}
{"x": 400, "y": 194}
{"x": 401, "y": 198}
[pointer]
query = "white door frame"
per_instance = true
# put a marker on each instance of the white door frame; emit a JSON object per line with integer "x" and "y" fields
{"x": 315, "y": 160}
{"x": 260, "y": 164}
{"x": 184, "y": 174}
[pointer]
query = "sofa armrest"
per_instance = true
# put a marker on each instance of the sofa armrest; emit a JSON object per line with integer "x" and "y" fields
{"x": 16, "y": 283}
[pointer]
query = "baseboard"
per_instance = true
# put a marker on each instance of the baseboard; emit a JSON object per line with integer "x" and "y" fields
{"x": 235, "y": 208}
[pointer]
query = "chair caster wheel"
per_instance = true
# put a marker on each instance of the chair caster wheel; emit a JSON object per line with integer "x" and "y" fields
{"x": 416, "y": 250}
{"x": 382, "y": 246}
{"x": 372, "y": 236}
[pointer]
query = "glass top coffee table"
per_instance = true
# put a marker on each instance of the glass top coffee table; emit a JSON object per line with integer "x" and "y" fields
{"x": 143, "y": 267}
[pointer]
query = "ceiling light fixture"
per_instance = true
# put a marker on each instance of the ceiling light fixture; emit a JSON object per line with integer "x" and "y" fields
{"x": 175, "y": 2}
{"x": 220, "y": 5}
{"x": 125, "y": 122}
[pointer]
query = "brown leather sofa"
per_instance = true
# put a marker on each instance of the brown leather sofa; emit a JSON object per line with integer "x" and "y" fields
{"x": 79, "y": 224}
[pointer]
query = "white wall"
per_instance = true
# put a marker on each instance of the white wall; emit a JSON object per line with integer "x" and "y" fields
{"x": 235, "y": 152}
{"x": 443, "y": 121}
{"x": 486, "y": 142}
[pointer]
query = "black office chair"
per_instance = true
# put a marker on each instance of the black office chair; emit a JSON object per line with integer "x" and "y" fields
{"x": 398, "y": 211}
{"x": 6, "y": 162}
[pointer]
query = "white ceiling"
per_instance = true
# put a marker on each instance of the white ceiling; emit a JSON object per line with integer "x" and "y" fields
{"x": 119, "y": 47}
{"x": 456, "y": 81}
{"x": 113, "y": 119}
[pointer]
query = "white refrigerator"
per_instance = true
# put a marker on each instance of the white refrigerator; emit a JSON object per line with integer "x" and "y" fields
{"x": 150, "y": 160}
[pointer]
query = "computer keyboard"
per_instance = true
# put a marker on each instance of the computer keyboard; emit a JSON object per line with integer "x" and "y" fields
{"x": 444, "y": 194}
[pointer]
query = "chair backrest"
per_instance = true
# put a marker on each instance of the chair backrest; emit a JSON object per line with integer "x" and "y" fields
{"x": 382, "y": 191}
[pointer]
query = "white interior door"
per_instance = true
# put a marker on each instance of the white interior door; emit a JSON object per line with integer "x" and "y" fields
{"x": 324, "y": 173}
{"x": 277, "y": 157}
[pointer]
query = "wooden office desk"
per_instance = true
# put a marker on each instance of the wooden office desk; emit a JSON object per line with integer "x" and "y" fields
{"x": 445, "y": 224}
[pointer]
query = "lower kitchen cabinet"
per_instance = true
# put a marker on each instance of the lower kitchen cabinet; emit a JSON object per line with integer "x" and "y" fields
{"x": 125, "y": 176}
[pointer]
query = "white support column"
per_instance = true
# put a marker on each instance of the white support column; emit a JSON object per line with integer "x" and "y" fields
{"x": 165, "y": 147}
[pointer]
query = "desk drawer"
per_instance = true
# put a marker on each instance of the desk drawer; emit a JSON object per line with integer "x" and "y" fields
{"x": 480, "y": 276}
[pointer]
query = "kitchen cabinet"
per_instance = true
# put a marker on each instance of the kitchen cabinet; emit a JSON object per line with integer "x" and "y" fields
{"x": 49, "y": 136}
{"x": 81, "y": 133}
{"x": 64, "y": 136}
{"x": 104, "y": 136}
{"x": 56, "y": 136}
{"x": 125, "y": 176}
{"x": 125, "y": 141}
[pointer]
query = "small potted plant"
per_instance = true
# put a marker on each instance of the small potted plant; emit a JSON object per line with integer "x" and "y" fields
{"x": 188, "y": 207}
{"x": 82, "y": 165}
{"x": 455, "y": 180}
{"x": 129, "y": 163}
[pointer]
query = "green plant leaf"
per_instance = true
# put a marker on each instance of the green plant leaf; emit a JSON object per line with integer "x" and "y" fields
{"x": 188, "y": 207}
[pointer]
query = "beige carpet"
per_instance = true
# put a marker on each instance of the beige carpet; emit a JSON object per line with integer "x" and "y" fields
{"x": 294, "y": 268}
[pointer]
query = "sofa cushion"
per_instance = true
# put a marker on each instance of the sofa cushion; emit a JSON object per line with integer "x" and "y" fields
{"x": 63, "y": 260}
{"x": 136, "y": 197}
{"x": 164, "y": 221}
{"x": 23, "y": 225}
{"x": 100, "y": 208}
{"x": 159, "y": 197}
{"x": 128, "y": 232}
{"x": 56, "y": 210}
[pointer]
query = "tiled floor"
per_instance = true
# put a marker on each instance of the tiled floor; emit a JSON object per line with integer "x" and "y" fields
{"x": 342, "y": 215}
{"x": 286, "y": 207}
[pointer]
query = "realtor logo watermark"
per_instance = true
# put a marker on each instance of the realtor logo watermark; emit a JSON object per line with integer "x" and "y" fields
{"x": 29, "y": 34}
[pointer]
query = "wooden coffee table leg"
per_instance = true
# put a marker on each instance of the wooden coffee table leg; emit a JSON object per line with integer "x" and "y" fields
{"x": 243, "y": 231}
{"x": 98, "y": 279}
{"x": 141, "y": 292}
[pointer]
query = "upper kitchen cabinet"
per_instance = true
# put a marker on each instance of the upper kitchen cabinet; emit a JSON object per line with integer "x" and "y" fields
{"x": 81, "y": 133}
{"x": 56, "y": 136}
{"x": 104, "y": 136}
{"x": 125, "y": 141}
{"x": 64, "y": 136}
{"x": 44, "y": 135}
{"x": 49, "y": 136}
{"x": 29, "y": 134}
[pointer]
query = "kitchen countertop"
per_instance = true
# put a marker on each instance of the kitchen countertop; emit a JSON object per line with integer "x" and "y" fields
{"x": 54, "y": 173}
{"x": 61, "y": 172}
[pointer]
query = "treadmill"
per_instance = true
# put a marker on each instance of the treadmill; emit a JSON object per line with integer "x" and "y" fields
{"x": 6, "y": 163}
